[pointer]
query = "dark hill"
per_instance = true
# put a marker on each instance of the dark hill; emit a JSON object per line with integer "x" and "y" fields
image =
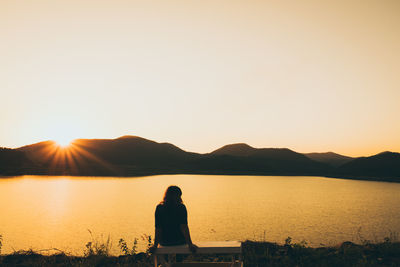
{"x": 127, "y": 155}
{"x": 381, "y": 166}
{"x": 242, "y": 158}
{"x": 13, "y": 162}
{"x": 330, "y": 158}
{"x": 240, "y": 149}
{"x": 245, "y": 150}
{"x": 38, "y": 152}
{"x": 134, "y": 150}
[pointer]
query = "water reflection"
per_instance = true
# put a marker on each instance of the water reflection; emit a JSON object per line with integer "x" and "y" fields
{"x": 45, "y": 212}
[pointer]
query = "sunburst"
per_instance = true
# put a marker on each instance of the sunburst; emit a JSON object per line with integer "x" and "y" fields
{"x": 72, "y": 156}
{"x": 64, "y": 143}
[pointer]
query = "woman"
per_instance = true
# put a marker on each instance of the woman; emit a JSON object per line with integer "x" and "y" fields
{"x": 171, "y": 221}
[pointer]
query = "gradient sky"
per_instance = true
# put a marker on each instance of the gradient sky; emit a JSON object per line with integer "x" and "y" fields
{"x": 313, "y": 76}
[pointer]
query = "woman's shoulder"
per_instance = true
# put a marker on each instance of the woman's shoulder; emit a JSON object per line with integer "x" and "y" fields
{"x": 160, "y": 207}
{"x": 182, "y": 206}
{"x": 164, "y": 206}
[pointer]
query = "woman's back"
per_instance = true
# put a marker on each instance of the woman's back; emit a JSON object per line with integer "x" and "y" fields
{"x": 169, "y": 218}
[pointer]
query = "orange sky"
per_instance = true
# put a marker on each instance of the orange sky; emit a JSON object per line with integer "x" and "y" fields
{"x": 313, "y": 76}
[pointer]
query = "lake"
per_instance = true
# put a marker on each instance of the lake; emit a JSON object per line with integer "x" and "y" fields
{"x": 43, "y": 212}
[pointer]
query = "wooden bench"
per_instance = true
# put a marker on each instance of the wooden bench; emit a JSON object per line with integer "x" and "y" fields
{"x": 223, "y": 247}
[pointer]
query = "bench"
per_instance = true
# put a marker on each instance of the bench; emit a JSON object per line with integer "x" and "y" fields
{"x": 222, "y": 247}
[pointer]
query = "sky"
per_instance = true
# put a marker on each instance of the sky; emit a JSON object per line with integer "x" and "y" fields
{"x": 313, "y": 76}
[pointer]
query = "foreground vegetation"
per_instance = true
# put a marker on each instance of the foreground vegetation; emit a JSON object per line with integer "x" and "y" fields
{"x": 255, "y": 254}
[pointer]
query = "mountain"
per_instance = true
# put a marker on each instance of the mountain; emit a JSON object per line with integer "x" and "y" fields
{"x": 244, "y": 158}
{"x": 13, "y": 162}
{"x": 135, "y": 156}
{"x": 134, "y": 150}
{"x": 244, "y": 150}
{"x": 381, "y": 166}
{"x": 127, "y": 155}
{"x": 239, "y": 149}
{"x": 330, "y": 158}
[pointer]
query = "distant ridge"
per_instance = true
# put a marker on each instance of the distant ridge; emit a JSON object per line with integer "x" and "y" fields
{"x": 380, "y": 166}
{"x": 330, "y": 158}
{"x": 244, "y": 150}
{"x": 239, "y": 149}
{"x": 130, "y": 155}
{"x": 11, "y": 159}
{"x": 243, "y": 159}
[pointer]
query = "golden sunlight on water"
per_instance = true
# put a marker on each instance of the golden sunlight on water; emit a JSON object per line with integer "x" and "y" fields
{"x": 42, "y": 212}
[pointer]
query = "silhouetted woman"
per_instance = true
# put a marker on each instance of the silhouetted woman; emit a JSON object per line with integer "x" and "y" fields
{"x": 171, "y": 221}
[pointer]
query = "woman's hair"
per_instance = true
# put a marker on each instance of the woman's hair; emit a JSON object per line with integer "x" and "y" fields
{"x": 172, "y": 195}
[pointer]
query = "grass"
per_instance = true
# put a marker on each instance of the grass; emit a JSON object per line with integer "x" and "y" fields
{"x": 255, "y": 254}
{"x": 96, "y": 253}
{"x": 346, "y": 254}
{"x": 97, "y": 247}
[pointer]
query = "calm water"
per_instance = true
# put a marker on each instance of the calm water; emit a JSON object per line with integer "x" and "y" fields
{"x": 55, "y": 212}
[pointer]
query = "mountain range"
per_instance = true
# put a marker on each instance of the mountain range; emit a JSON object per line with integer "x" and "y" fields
{"x": 136, "y": 156}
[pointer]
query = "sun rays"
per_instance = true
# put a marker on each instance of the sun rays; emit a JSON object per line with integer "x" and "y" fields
{"x": 70, "y": 158}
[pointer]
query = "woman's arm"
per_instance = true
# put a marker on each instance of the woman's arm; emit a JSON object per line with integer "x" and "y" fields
{"x": 186, "y": 234}
{"x": 158, "y": 233}
{"x": 157, "y": 237}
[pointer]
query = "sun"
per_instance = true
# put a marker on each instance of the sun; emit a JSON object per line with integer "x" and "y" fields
{"x": 63, "y": 142}
{"x": 63, "y": 134}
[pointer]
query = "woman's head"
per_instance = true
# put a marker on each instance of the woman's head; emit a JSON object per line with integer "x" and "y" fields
{"x": 172, "y": 195}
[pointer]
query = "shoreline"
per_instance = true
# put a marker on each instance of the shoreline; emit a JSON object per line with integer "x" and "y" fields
{"x": 358, "y": 178}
